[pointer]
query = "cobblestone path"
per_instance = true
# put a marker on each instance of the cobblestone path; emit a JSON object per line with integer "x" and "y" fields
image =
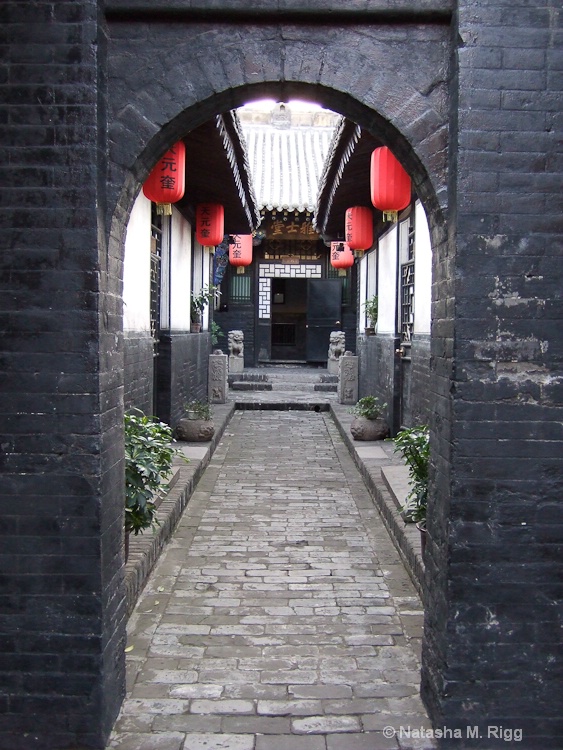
{"x": 280, "y": 616}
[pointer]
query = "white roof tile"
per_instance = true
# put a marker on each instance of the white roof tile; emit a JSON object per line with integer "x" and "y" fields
{"x": 286, "y": 163}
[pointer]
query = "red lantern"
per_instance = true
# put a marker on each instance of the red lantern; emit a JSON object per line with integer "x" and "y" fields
{"x": 240, "y": 250}
{"x": 359, "y": 228}
{"x": 166, "y": 183}
{"x": 209, "y": 223}
{"x": 390, "y": 184}
{"x": 340, "y": 255}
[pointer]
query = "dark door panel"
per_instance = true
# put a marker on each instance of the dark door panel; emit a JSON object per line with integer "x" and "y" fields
{"x": 324, "y": 314}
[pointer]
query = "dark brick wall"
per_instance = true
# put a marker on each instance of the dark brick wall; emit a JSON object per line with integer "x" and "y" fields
{"x": 138, "y": 354}
{"x": 238, "y": 318}
{"x": 492, "y": 638}
{"x": 420, "y": 404}
{"x": 61, "y": 600}
{"x": 182, "y": 373}
{"x": 379, "y": 373}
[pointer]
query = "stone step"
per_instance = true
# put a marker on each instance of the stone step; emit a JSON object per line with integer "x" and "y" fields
{"x": 326, "y": 387}
{"x": 245, "y": 385}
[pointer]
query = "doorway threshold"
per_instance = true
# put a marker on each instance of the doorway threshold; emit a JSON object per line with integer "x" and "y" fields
{"x": 265, "y": 362}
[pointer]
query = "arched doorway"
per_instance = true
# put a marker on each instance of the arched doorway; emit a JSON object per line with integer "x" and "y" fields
{"x": 93, "y": 93}
{"x": 422, "y": 178}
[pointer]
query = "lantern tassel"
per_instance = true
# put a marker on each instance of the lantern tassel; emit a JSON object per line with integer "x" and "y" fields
{"x": 164, "y": 209}
{"x": 391, "y": 216}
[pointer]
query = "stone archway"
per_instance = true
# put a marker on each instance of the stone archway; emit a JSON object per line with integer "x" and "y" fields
{"x": 154, "y": 100}
{"x": 126, "y": 77}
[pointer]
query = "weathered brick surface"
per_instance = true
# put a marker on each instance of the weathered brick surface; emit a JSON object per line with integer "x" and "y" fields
{"x": 61, "y": 611}
{"x": 496, "y": 524}
{"x": 182, "y": 373}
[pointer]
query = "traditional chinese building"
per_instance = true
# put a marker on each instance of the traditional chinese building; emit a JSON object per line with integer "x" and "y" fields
{"x": 290, "y": 298}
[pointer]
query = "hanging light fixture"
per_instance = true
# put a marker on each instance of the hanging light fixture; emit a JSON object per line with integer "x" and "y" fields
{"x": 240, "y": 250}
{"x": 390, "y": 184}
{"x": 166, "y": 182}
{"x": 340, "y": 255}
{"x": 209, "y": 223}
{"x": 358, "y": 227}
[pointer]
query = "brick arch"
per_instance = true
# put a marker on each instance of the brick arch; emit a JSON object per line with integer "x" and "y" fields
{"x": 170, "y": 80}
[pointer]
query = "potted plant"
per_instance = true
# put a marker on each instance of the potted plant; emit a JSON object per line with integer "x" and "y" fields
{"x": 414, "y": 446}
{"x": 149, "y": 452}
{"x": 197, "y": 425}
{"x": 368, "y": 423}
{"x": 370, "y": 306}
{"x": 199, "y": 302}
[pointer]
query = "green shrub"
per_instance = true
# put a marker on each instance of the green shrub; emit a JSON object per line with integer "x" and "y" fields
{"x": 371, "y": 308}
{"x": 369, "y": 407}
{"x": 148, "y": 463}
{"x": 216, "y": 333}
{"x": 198, "y": 410}
{"x": 414, "y": 445}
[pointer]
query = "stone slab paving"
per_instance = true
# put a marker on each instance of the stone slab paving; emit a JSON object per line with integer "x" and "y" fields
{"x": 280, "y": 616}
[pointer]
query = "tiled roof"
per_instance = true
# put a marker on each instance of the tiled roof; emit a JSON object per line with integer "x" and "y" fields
{"x": 286, "y": 162}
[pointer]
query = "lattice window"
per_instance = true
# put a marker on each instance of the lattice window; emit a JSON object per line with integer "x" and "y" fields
{"x": 156, "y": 254}
{"x": 240, "y": 288}
{"x": 407, "y": 300}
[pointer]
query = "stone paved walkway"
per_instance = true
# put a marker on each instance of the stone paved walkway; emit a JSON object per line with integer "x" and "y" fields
{"x": 280, "y": 616}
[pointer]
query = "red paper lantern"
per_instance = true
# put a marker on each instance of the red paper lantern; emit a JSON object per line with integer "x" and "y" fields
{"x": 209, "y": 223}
{"x": 359, "y": 228}
{"x": 166, "y": 183}
{"x": 340, "y": 255}
{"x": 390, "y": 184}
{"x": 240, "y": 250}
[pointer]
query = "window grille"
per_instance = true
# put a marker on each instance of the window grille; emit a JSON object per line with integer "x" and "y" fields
{"x": 156, "y": 254}
{"x": 240, "y": 288}
{"x": 407, "y": 287}
{"x": 407, "y": 301}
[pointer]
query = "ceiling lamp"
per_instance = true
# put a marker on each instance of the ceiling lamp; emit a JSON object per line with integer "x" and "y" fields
{"x": 390, "y": 184}
{"x": 358, "y": 228}
{"x": 166, "y": 183}
{"x": 209, "y": 223}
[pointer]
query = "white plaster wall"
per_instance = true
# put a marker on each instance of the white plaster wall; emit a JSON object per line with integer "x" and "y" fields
{"x": 363, "y": 285}
{"x": 387, "y": 286}
{"x": 422, "y": 272}
{"x": 180, "y": 272}
{"x": 136, "y": 268}
{"x": 368, "y": 284}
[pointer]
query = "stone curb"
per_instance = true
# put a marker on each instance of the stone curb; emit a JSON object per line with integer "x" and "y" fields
{"x": 405, "y": 537}
{"x": 145, "y": 549}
